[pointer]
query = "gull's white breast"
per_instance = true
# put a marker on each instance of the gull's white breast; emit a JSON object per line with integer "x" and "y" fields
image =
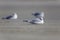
{"x": 15, "y": 16}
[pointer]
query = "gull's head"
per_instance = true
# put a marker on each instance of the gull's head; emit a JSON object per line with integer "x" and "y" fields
{"x": 15, "y": 16}
{"x": 42, "y": 14}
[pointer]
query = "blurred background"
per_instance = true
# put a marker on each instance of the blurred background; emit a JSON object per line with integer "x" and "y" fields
{"x": 18, "y": 30}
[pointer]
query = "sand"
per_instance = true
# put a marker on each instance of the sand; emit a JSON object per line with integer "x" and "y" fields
{"x": 18, "y": 30}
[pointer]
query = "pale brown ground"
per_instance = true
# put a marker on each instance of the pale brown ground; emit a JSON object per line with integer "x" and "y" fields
{"x": 18, "y": 30}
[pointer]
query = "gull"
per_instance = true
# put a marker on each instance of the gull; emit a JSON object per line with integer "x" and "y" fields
{"x": 13, "y": 16}
{"x": 38, "y": 18}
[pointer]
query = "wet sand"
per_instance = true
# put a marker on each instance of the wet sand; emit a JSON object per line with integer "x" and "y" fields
{"x": 18, "y": 30}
